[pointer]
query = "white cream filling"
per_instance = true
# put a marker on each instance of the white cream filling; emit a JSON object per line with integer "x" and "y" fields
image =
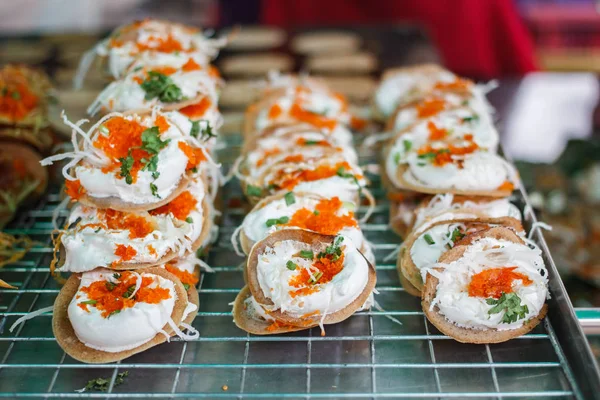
{"x": 452, "y": 121}
{"x": 255, "y": 227}
{"x": 424, "y": 254}
{"x": 481, "y": 171}
{"x": 452, "y": 297}
{"x": 172, "y": 163}
{"x": 318, "y": 102}
{"x": 274, "y": 276}
{"x": 292, "y": 149}
{"x": 126, "y": 330}
{"x": 122, "y": 57}
{"x": 256, "y": 310}
{"x": 91, "y": 247}
{"x": 344, "y": 188}
{"x": 401, "y": 85}
{"x": 127, "y": 94}
{"x": 444, "y": 203}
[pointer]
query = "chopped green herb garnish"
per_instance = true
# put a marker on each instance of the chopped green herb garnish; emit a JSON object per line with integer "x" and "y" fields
{"x": 151, "y": 141}
{"x": 397, "y": 157}
{"x": 117, "y": 275}
{"x": 91, "y": 302}
{"x": 151, "y": 165}
{"x": 101, "y": 384}
{"x": 290, "y": 265}
{"x": 16, "y": 95}
{"x": 129, "y": 292}
{"x": 110, "y": 286}
{"x": 311, "y": 142}
{"x": 207, "y": 132}
{"x": 315, "y": 278}
{"x": 456, "y": 235}
{"x": 200, "y": 252}
{"x": 428, "y": 239}
{"x": 307, "y": 254}
{"x": 104, "y": 129}
{"x": 289, "y": 198}
{"x": 160, "y": 86}
{"x": 272, "y": 186}
{"x": 465, "y": 102}
{"x": 195, "y": 169}
{"x": 195, "y": 129}
{"x": 189, "y": 220}
{"x": 154, "y": 190}
{"x": 472, "y": 118}
{"x": 407, "y": 145}
{"x": 510, "y": 303}
{"x": 126, "y": 165}
{"x": 277, "y": 221}
{"x": 186, "y": 286}
{"x": 316, "y": 212}
{"x": 333, "y": 250}
{"x": 113, "y": 313}
{"x": 253, "y": 191}
{"x": 341, "y": 172}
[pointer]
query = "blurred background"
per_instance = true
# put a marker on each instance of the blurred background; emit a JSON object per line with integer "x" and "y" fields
{"x": 544, "y": 54}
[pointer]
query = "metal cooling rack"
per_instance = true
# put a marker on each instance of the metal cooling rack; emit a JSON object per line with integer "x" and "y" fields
{"x": 366, "y": 356}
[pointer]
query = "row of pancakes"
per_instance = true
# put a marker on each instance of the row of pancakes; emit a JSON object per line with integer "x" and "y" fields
{"x": 464, "y": 251}
{"x": 25, "y": 135}
{"x": 308, "y": 263}
{"x": 144, "y": 184}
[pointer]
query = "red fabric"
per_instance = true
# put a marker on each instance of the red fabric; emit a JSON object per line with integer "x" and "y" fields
{"x": 481, "y": 38}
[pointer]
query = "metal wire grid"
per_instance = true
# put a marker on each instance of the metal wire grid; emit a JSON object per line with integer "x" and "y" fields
{"x": 366, "y": 356}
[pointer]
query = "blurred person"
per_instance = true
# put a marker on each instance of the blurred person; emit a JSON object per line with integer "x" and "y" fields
{"x": 477, "y": 38}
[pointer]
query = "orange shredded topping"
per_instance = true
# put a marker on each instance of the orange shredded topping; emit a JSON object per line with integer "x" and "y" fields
{"x": 19, "y": 168}
{"x": 275, "y": 111}
{"x": 396, "y": 196}
{"x": 327, "y": 222}
{"x": 162, "y": 124}
{"x": 507, "y": 186}
{"x": 152, "y": 250}
{"x": 110, "y": 298}
{"x": 137, "y": 226}
{"x": 443, "y": 156}
{"x": 493, "y": 282}
{"x": 290, "y": 180}
{"x": 190, "y": 65}
{"x": 458, "y": 84}
{"x": 180, "y": 206}
{"x": 125, "y": 253}
{"x": 184, "y": 276}
{"x": 195, "y": 155}
{"x": 198, "y": 109}
{"x": 164, "y": 45}
{"x": 74, "y": 190}
{"x": 123, "y": 135}
{"x": 268, "y": 153}
{"x": 326, "y": 265}
{"x": 214, "y": 72}
{"x": 436, "y": 133}
{"x": 317, "y": 120}
{"x": 295, "y": 158}
{"x": 430, "y": 107}
{"x": 138, "y": 79}
{"x": 342, "y": 99}
{"x": 358, "y": 124}
{"x": 164, "y": 70}
{"x": 276, "y": 325}
{"x": 16, "y": 100}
